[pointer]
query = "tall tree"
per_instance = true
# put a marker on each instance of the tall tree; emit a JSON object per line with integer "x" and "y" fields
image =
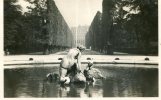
{"x": 145, "y": 22}
{"x": 130, "y": 24}
{"x": 12, "y": 25}
{"x": 36, "y": 19}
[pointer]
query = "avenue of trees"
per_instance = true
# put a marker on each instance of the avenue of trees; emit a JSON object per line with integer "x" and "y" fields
{"x": 124, "y": 25}
{"x": 127, "y": 26}
{"x": 33, "y": 31}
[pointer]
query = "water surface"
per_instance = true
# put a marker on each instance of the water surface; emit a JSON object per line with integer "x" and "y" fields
{"x": 119, "y": 82}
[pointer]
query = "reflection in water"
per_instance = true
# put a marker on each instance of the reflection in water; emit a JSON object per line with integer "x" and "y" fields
{"x": 119, "y": 82}
{"x": 73, "y": 90}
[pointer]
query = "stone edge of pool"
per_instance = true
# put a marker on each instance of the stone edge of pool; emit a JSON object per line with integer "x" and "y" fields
{"x": 144, "y": 64}
{"x": 85, "y": 62}
{"x": 52, "y": 60}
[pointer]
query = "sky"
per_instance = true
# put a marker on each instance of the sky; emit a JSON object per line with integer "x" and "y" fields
{"x": 75, "y": 12}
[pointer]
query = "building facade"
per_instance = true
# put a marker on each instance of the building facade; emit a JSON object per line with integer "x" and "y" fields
{"x": 79, "y": 34}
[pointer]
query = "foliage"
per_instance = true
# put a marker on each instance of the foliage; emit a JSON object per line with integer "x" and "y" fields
{"x": 127, "y": 26}
{"x": 22, "y": 32}
{"x": 137, "y": 25}
{"x": 123, "y": 23}
{"x": 12, "y": 24}
{"x": 41, "y": 29}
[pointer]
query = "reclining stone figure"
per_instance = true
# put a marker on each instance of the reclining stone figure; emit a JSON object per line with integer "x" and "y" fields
{"x": 74, "y": 76}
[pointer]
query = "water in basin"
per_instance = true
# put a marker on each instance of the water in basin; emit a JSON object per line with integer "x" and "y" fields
{"x": 118, "y": 82}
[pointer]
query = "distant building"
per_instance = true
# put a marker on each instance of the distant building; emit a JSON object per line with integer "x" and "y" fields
{"x": 81, "y": 33}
